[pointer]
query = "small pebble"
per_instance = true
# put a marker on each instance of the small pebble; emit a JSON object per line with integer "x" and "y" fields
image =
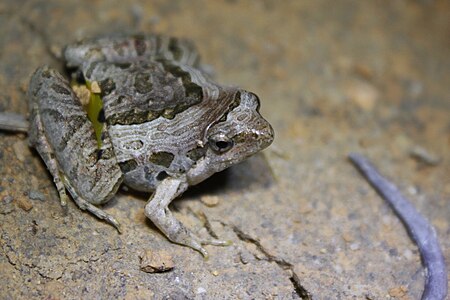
{"x": 338, "y": 269}
{"x": 412, "y": 190}
{"x": 95, "y": 88}
{"x": 398, "y": 292}
{"x": 6, "y": 205}
{"x": 24, "y": 204}
{"x": 364, "y": 71}
{"x": 35, "y": 195}
{"x": 7, "y": 199}
{"x": 82, "y": 93}
{"x": 363, "y": 94}
{"x": 415, "y": 88}
{"x": 20, "y": 150}
{"x": 408, "y": 254}
{"x": 424, "y": 156}
{"x": 347, "y": 237}
{"x": 210, "y": 201}
{"x": 354, "y": 246}
{"x": 156, "y": 261}
{"x": 55, "y": 50}
{"x": 245, "y": 257}
{"x": 306, "y": 209}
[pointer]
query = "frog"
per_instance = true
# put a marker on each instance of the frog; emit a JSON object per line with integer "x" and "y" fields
{"x": 140, "y": 111}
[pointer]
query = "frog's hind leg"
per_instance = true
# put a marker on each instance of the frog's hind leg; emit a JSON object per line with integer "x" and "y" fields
{"x": 85, "y": 205}
{"x": 158, "y": 212}
{"x": 61, "y": 182}
{"x": 37, "y": 139}
{"x": 64, "y": 137}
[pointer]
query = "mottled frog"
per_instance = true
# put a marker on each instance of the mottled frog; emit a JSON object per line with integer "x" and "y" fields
{"x": 139, "y": 110}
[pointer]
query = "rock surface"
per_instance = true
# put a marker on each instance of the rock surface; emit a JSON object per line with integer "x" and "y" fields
{"x": 369, "y": 76}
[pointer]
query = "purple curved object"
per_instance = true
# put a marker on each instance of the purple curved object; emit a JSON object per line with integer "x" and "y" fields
{"x": 420, "y": 230}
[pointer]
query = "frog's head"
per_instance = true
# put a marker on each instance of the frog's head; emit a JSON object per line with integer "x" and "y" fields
{"x": 241, "y": 133}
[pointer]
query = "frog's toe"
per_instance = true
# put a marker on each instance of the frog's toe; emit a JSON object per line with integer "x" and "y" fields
{"x": 203, "y": 252}
{"x": 111, "y": 220}
{"x": 99, "y": 213}
{"x": 196, "y": 244}
{"x": 63, "y": 198}
{"x": 216, "y": 242}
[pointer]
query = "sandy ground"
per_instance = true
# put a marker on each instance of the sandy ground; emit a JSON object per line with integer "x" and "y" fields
{"x": 333, "y": 77}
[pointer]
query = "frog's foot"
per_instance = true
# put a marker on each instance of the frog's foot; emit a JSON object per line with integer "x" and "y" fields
{"x": 158, "y": 212}
{"x": 216, "y": 242}
{"x": 181, "y": 235}
{"x": 85, "y": 205}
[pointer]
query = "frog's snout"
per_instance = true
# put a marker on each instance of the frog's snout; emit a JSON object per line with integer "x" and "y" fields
{"x": 266, "y": 135}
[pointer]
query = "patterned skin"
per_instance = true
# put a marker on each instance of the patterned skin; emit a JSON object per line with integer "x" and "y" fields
{"x": 162, "y": 125}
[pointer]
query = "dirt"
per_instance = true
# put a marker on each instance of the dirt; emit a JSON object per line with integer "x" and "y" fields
{"x": 333, "y": 77}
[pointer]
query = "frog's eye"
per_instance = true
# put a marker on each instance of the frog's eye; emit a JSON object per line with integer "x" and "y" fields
{"x": 220, "y": 143}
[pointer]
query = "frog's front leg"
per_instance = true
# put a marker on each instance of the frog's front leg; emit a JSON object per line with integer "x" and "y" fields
{"x": 158, "y": 212}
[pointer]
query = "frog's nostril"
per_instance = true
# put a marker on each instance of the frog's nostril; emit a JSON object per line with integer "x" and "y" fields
{"x": 266, "y": 136}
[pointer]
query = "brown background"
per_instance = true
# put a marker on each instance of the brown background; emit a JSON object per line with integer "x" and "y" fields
{"x": 333, "y": 77}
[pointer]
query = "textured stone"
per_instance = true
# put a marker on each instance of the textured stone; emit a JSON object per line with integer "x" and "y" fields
{"x": 301, "y": 219}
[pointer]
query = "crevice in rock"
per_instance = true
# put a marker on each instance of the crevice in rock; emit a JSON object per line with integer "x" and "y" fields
{"x": 11, "y": 255}
{"x": 207, "y": 224}
{"x": 200, "y": 215}
{"x": 299, "y": 289}
{"x": 270, "y": 257}
{"x": 281, "y": 262}
{"x": 8, "y": 250}
{"x": 92, "y": 259}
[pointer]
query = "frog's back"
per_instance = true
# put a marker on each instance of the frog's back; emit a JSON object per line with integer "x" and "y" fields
{"x": 142, "y": 91}
{"x": 126, "y": 49}
{"x": 142, "y": 77}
